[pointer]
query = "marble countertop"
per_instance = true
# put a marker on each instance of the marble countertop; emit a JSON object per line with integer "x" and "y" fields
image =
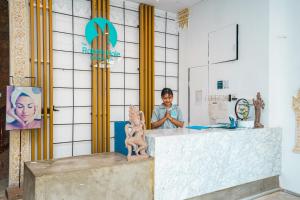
{"x": 185, "y": 131}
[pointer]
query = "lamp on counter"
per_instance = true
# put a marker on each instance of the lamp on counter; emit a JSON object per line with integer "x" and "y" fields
{"x": 296, "y": 106}
{"x": 183, "y": 18}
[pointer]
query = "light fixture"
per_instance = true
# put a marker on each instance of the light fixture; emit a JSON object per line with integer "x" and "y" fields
{"x": 183, "y": 18}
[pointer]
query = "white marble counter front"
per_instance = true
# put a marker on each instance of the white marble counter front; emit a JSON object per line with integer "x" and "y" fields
{"x": 190, "y": 163}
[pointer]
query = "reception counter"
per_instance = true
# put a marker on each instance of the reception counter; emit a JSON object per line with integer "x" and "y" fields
{"x": 191, "y": 163}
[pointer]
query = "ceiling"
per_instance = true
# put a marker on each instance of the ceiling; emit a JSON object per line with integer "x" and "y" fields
{"x": 169, "y": 5}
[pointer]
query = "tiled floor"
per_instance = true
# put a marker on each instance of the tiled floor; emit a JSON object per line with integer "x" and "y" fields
{"x": 279, "y": 196}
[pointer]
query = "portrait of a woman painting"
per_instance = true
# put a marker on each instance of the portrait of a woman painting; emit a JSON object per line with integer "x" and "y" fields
{"x": 23, "y": 108}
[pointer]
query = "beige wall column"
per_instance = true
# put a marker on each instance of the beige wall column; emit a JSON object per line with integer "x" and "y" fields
{"x": 19, "y": 69}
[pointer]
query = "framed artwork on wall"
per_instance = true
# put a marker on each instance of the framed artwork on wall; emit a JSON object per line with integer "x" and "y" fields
{"x": 23, "y": 108}
{"x": 223, "y": 44}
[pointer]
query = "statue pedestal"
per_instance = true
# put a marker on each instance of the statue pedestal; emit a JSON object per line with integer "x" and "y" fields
{"x": 98, "y": 176}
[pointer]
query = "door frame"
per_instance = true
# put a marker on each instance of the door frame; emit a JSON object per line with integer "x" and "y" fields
{"x": 189, "y": 88}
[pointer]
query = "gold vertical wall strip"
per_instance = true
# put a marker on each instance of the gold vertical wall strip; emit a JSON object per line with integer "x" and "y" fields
{"x": 99, "y": 84}
{"x": 108, "y": 85}
{"x": 50, "y": 82}
{"x": 45, "y": 84}
{"x": 32, "y": 69}
{"x": 145, "y": 46}
{"x": 38, "y": 27}
{"x": 94, "y": 89}
{"x": 104, "y": 88}
{"x": 104, "y": 78}
{"x": 146, "y": 61}
{"x": 141, "y": 61}
{"x": 152, "y": 63}
{"x": 149, "y": 65}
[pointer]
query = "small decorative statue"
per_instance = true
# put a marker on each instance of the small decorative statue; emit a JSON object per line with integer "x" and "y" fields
{"x": 135, "y": 136}
{"x": 296, "y": 106}
{"x": 258, "y": 105}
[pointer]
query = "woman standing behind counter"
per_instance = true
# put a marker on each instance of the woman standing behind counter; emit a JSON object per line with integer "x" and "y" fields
{"x": 167, "y": 115}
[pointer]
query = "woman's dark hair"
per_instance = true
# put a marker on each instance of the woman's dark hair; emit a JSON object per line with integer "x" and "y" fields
{"x": 166, "y": 91}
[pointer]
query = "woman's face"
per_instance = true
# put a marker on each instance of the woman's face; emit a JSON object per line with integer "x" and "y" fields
{"x": 25, "y": 108}
{"x": 167, "y": 99}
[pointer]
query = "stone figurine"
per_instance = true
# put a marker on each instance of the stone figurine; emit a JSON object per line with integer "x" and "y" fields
{"x": 135, "y": 135}
{"x": 296, "y": 106}
{"x": 258, "y": 106}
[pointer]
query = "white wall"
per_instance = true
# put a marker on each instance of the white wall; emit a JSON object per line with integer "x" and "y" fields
{"x": 269, "y": 62}
{"x": 246, "y": 76}
{"x": 284, "y": 82}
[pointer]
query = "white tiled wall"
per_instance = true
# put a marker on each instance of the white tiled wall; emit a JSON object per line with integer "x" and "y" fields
{"x": 72, "y": 72}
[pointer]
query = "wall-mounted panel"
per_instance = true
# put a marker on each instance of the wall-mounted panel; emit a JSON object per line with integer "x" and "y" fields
{"x": 131, "y": 97}
{"x": 159, "y": 24}
{"x": 172, "y": 55}
{"x": 172, "y": 41}
{"x": 67, "y": 95}
{"x": 82, "y": 97}
{"x": 82, "y": 61}
{"x": 62, "y": 23}
{"x": 62, "y": 133}
{"x": 82, "y": 79}
{"x": 63, "y": 116}
{"x": 159, "y": 39}
{"x": 159, "y": 82}
{"x": 116, "y": 113}
{"x": 116, "y": 97}
{"x": 132, "y": 18}
{"x": 132, "y": 81}
{"x": 159, "y": 54}
{"x": 172, "y": 83}
{"x": 171, "y": 69}
{"x": 132, "y": 34}
{"x": 62, "y": 60}
{"x": 62, "y": 41}
{"x": 117, "y": 65}
{"x": 116, "y": 15}
{"x": 82, "y": 114}
{"x": 62, "y": 150}
{"x": 132, "y": 50}
{"x": 62, "y": 6}
{"x": 79, "y": 25}
{"x": 117, "y": 80}
{"x": 82, "y": 8}
{"x": 62, "y": 78}
{"x": 132, "y": 66}
{"x": 82, "y": 132}
{"x": 82, "y": 148}
{"x": 160, "y": 68}
{"x": 172, "y": 27}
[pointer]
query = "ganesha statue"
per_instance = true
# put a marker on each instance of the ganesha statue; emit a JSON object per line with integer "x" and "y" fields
{"x": 135, "y": 135}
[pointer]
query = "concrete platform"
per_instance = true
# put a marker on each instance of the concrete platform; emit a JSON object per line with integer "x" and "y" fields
{"x": 98, "y": 176}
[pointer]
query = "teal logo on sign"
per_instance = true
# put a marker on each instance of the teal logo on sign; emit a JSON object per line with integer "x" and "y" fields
{"x": 91, "y": 30}
{"x": 91, "y": 33}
